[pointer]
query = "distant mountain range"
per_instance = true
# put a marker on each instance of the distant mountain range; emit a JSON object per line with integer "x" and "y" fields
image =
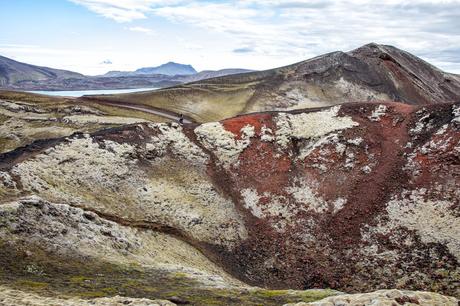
{"x": 169, "y": 68}
{"x": 21, "y": 76}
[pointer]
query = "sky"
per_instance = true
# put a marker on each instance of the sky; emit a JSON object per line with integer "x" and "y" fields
{"x": 96, "y": 36}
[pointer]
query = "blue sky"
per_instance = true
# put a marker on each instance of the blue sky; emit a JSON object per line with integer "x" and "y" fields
{"x": 95, "y": 36}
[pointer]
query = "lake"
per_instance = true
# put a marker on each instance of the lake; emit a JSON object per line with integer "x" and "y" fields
{"x": 79, "y": 93}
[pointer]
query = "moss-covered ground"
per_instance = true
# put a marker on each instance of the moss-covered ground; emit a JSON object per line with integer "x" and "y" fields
{"x": 36, "y": 270}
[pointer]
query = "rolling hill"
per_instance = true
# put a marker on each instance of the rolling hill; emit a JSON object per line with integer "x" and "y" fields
{"x": 370, "y": 73}
{"x": 13, "y": 72}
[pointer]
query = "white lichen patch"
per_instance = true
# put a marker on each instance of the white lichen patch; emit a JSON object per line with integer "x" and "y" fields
{"x": 412, "y": 165}
{"x": 340, "y": 148}
{"x": 456, "y": 113}
{"x": 433, "y": 220}
{"x": 6, "y": 180}
{"x": 26, "y": 115}
{"x": 251, "y": 201}
{"x": 350, "y": 160}
{"x": 107, "y": 178}
{"x": 274, "y": 206}
{"x": 338, "y": 204}
{"x": 310, "y": 200}
{"x": 304, "y": 194}
{"x": 355, "y": 141}
{"x": 172, "y": 136}
{"x": 442, "y": 130}
{"x": 423, "y": 124}
{"x": 310, "y": 125}
{"x": 439, "y": 143}
{"x": 266, "y": 134}
{"x": 351, "y": 91}
{"x": 316, "y": 143}
{"x": 223, "y": 143}
{"x": 384, "y": 298}
{"x": 378, "y": 113}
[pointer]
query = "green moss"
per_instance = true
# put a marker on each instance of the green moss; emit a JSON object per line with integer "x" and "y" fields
{"x": 93, "y": 294}
{"x": 179, "y": 275}
{"x": 31, "y": 284}
{"x": 78, "y": 279}
{"x": 271, "y": 293}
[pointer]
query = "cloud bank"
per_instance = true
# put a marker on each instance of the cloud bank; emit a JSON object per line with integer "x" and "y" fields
{"x": 304, "y": 28}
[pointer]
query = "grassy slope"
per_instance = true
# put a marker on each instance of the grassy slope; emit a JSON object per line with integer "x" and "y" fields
{"x": 208, "y": 100}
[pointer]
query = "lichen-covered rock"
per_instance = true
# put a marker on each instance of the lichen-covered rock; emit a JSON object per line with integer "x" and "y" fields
{"x": 11, "y": 297}
{"x": 71, "y": 232}
{"x": 356, "y": 197}
{"x": 108, "y": 176}
{"x": 385, "y": 298}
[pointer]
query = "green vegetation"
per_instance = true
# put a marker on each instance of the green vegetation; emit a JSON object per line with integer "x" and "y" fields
{"x": 89, "y": 278}
{"x": 202, "y": 102}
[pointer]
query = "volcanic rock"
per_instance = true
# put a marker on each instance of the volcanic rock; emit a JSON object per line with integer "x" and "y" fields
{"x": 355, "y": 197}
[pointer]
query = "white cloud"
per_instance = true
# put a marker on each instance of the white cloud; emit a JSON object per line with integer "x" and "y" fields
{"x": 297, "y": 29}
{"x": 141, "y": 30}
{"x": 122, "y": 10}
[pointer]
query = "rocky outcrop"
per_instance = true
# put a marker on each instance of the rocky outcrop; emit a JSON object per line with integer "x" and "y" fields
{"x": 71, "y": 232}
{"x": 385, "y": 297}
{"x": 356, "y": 197}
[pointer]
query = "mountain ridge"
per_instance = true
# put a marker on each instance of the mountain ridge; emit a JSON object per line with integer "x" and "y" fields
{"x": 16, "y": 75}
{"x": 14, "y": 71}
{"x": 370, "y": 73}
{"x": 169, "y": 68}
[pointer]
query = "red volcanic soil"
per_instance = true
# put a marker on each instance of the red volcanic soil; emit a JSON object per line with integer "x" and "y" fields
{"x": 304, "y": 248}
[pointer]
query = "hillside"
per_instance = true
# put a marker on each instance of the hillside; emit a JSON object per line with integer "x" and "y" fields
{"x": 13, "y": 72}
{"x": 370, "y": 73}
{"x": 355, "y": 197}
{"x": 208, "y": 74}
